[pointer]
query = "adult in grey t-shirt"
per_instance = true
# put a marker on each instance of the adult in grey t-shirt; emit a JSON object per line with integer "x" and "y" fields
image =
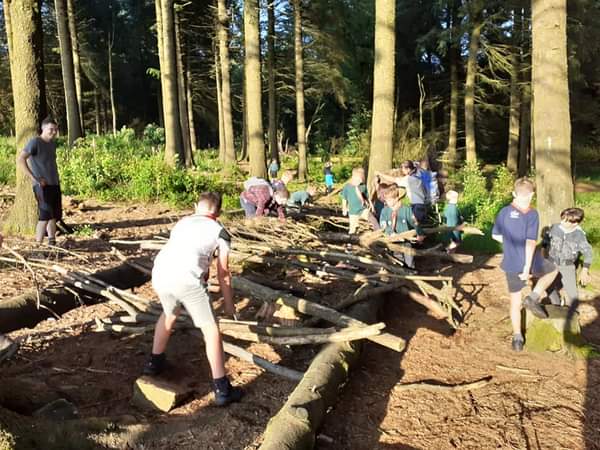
{"x": 42, "y": 160}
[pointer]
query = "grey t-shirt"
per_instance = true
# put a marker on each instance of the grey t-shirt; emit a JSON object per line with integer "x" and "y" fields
{"x": 414, "y": 189}
{"x": 42, "y": 160}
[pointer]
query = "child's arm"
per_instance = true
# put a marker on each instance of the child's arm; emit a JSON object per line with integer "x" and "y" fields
{"x": 588, "y": 256}
{"x": 224, "y": 276}
{"x": 529, "y": 252}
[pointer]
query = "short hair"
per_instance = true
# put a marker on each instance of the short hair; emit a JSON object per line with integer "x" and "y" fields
{"x": 49, "y": 121}
{"x": 394, "y": 191}
{"x": 451, "y": 195}
{"x": 282, "y": 193}
{"x": 573, "y": 215}
{"x": 358, "y": 170}
{"x": 211, "y": 200}
{"x": 524, "y": 186}
{"x": 408, "y": 165}
{"x": 311, "y": 187}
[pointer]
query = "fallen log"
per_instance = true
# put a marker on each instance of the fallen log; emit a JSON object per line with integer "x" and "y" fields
{"x": 21, "y": 311}
{"x": 314, "y": 309}
{"x": 294, "y": 426}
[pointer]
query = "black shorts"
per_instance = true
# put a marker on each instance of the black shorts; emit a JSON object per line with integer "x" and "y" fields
{"x": 419, "y": 210}
{"x": 49, "y": 200}
{"x": 540, "y": 267}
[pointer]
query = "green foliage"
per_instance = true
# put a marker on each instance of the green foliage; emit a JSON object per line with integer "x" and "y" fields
{"x": 7, "y": 161}
{"x": 154, "y": 135}
{"x": 358, "y": 137}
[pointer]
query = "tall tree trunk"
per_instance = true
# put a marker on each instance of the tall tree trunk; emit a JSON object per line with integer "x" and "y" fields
{"x": 551, "y": 115}
{"x": 190, "y": 104}
{"x": 23, "y": 22}
{"x": 184, "y": 122}
{"x": 76, "y": 59}
{"x": 161, "y": 63}
{"x": 274, "y": 154}
{"x": 524, "y": 134}
{"x": 68, "y": 72}
{"x": 454, "y": 94}
{"x": 300, "y": 124}
{"x": 514, "y": 128}
{"x": 228, "y": 142}
{"x": 256, "y": 143}
{"x": 220, "y": 108}
{"x": 97, "y": 111}
{"x": 475, "y": 17}
{"x": 111, "y": 89}
{"x": 382, "y": 149}
{"x": 168, "y": 72}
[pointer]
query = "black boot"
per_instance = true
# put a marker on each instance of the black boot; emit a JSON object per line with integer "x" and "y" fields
{"x": 225, "y": 393}
{"x": 155, "y": 365}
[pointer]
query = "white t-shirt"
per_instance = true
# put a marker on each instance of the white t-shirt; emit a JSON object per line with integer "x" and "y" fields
{"x": 188, "y": 254}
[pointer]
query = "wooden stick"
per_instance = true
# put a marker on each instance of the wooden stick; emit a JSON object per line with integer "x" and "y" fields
{"x": 440, "y": 387}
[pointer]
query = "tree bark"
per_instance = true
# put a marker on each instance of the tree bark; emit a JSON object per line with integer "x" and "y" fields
{"x": 168, "y": 73}
{"x": 224, "y": 64}
{"x": 111, "y": 90}
{"x": 68, "y": 72}
{"x": 454, "y": 94}
{"x": 382, "y": 133}
{"x": 97, "y": 110}
{"x": 300, "y": 120}
{"x": 476, "y": 25}
{"x": 184, "y": 121}
{"x": 273, "y": 147}
{"x": 551, "y": 115}
{"x": 161, "y": 63}
{"x": 514, "y": 128}
{"x": 256, "y": 144}
{"x": 76, "y": 59}
{"x": 524, "y": 134}
{"x": 190, "y": 105}
{"x": 23, "y": 22}
{"x": 220, "y": 109}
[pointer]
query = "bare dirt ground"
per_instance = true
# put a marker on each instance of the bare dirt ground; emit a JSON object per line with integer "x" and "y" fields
{"x": 537, "y": 401}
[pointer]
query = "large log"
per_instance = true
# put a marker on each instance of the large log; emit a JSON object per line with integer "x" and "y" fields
{"x": 22, "y": 311}
{"x": 295, "y": 425}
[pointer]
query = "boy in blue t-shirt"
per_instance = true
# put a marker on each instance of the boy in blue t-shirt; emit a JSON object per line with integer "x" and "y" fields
{"x": 396, "y": 218}
{"x": 328, "y": 174}
{"x": 517, "y": 228}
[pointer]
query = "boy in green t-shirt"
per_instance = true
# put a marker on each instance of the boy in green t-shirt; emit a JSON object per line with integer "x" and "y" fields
{"x": 453, "y": 218}
{"x": 396, "y": 218}
{"x": 355, "y": 203}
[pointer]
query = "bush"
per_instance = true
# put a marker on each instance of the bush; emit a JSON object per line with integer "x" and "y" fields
{"x": 7, "y": 161}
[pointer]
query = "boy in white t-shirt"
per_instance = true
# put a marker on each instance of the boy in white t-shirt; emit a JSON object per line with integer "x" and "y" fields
{"x": 179, "y": 277}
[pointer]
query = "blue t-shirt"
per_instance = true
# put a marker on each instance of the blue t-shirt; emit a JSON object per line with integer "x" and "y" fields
{"x": 516, "y": 227}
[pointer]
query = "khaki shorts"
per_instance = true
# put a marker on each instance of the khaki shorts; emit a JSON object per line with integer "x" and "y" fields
{"x": 194, "y": 299}
{"x": 355, "y": 220}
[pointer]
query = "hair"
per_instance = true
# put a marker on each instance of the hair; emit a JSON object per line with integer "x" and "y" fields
{"x": 524, "y": 186}
{"x": 283, "y": 193}
{"x": 312, "y": 188}
{"x": 288, "y": 174}
{"x": 573, "y": 215}
{"x": 408, "y": 165}
{"x": 394, "y": 192}
{"x": 211, "y": 200}
{"x": 451, "y": 195}
{"x": 49, "y": 121}
{"x": 357, "y": 171}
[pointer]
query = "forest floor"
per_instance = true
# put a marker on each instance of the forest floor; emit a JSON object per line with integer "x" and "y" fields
{"x": 533, "y": 400}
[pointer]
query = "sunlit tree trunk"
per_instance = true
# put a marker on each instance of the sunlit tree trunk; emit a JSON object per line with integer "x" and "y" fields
{"x": 68, "y": 72}
{"x": 454, "y": 101}
{"x": 161, "y": 63}
{"x": 476, "y": 24}
{"x": 274, "y": 154}
{"x": 224, "y": 65}
{"x": 23, "y": 22}
{"x": 111, "y": 89}
{"x": 220, "y": 108}
{"x": 524, "y": 138}
{"x": 300, "y": 124}
{"x": 97, "y": 111}
{"x": 514, "y": 126}
{"x": 256, "y": 144}
{"x": 551, "y": 115}
{"x": 190, "y": 105}
{"x": 382, "y": 133}
{"x": 76, "y": 59}
{"x": 184, "y": 122}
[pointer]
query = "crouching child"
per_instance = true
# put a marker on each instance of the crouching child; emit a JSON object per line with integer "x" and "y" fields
{"x": 302, "y": 198}
{"x": 180, "y": 276}
{"x": 259, "y": 199}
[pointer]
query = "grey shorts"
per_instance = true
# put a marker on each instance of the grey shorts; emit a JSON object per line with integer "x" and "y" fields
{"x": 194, "y": 299}
{"x": 541, "y": 266}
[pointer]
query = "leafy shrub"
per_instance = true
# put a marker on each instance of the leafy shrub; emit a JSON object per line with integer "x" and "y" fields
{"x": 7, "y": 161}
{"x": 358, "y": 136}
{"x": 153, "y": 135}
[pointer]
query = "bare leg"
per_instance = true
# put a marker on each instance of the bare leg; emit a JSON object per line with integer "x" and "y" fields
{"x": 515, "y": 311}
{"x": 544, "y": 283}
{"x": 51, "y": 228}
{"x": 40, "y": 230}
{"x": 162, "y": 332}
{"x": 214, "y": 350}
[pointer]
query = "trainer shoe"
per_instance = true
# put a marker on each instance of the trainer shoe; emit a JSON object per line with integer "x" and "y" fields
{"x": 534, "y": 307}
{"x": 225, "y": 393}
{"x": 8, "y": 347}
{"x": 155, "y": 365}
{"x": 517, "y": 343}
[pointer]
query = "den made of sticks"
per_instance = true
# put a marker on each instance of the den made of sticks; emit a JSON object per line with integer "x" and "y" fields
{"x": 299, "y": 224}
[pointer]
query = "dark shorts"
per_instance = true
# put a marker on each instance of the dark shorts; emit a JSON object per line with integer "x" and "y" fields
{"x": 420, "y": 212}
{"x": 540, "y": 267}
{"x": 49, "y": 200}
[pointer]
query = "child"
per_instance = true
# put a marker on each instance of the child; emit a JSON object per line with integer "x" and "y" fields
{"x": 286, "y": 178}
{"x": 179, "y": 278}
{"x": 566, "y": 242}
{"x": 259, "y": 198}
{"x": 273, "y": 169}
{"x": 354, "y": 201}
{"x": 328, "y": 177}
{"x": 396, "y": 218}
{"x": 453, "y": 219}
{"x": 414, "y": 188}
{"x": 301, "y": 198}
{"x": 516, "y": 228}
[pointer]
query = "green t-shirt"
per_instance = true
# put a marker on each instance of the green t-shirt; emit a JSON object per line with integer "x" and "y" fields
{"x": 299, "y": 198}
{"x": 404, "y": 220}
{"x": 452, "y": 215}
{"x": 356, "y": 204}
